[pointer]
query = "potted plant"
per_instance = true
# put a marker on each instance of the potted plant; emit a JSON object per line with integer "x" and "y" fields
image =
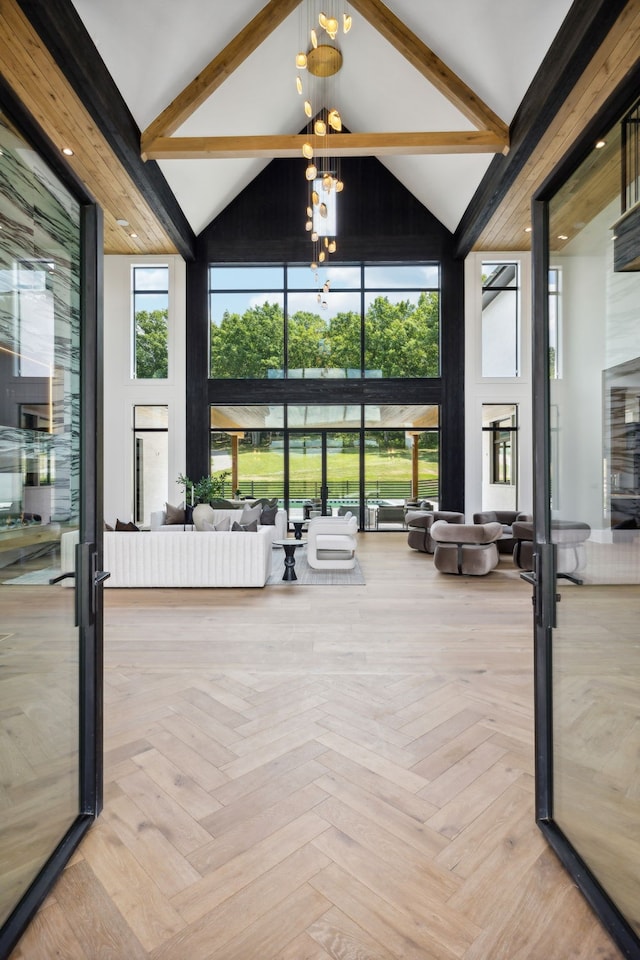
{"x": 203, "y": 490}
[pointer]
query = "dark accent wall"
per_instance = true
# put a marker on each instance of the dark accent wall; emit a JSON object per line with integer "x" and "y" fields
{"x": 378, "y": 220}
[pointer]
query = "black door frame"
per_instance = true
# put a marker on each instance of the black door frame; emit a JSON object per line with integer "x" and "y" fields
{"x": 544, "y": 576}
{"x": 88, "y": 594}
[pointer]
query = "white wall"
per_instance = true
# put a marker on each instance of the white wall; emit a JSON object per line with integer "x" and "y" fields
{"x": 122, "y": 392}
{"x": 480, "y": 390}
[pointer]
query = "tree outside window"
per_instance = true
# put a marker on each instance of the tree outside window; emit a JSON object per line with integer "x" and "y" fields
{"x": 150, "y": 289}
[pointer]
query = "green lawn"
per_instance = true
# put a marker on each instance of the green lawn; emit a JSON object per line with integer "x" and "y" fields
{"x": 379, "y": 465}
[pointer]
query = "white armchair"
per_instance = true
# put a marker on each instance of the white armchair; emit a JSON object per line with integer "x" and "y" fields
{"x": 332, "y": 542}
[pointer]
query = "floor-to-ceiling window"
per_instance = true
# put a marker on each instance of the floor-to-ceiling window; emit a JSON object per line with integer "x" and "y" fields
{"x": 288, "y": 321}
{"x": 331, "y": 324}
{"x": 368, "y": 458}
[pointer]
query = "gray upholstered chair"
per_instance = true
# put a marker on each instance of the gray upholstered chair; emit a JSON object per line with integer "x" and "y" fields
{"x": 466, "y": 548}
{"x": 507, "y": 518}
{"x": 419, "y": 524}
{"x": 568, "y": 535}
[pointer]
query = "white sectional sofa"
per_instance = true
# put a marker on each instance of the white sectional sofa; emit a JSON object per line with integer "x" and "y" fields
{"x": 152, "y": 559}
{"x": 215, "y": 515}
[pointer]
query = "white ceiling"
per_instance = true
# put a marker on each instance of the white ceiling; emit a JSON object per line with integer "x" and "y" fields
{"x": 154, "y": 48}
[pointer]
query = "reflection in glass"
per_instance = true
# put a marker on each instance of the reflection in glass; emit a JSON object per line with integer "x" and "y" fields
{"x": 595, "y": 524}
{"x": 39, "y": 502}
{"x": 151, "y": 459}
{"x": 500, "y": 320}
{"x": 499, "y": 456}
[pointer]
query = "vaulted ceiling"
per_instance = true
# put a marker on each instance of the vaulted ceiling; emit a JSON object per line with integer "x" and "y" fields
{"x": 207, "y": 89}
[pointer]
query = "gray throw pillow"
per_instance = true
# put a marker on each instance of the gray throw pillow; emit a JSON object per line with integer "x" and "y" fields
{"x": 222, "y": 526}
{"x": 249, "y": 514}
{"x": 245, "y": 527}
{"x": 128, "y": 527}
{"x": 174, "y": 514}
{"x": 268, "y": 516}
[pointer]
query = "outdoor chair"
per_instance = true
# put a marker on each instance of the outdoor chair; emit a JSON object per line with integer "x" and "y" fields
{"x": 389, "y": 513}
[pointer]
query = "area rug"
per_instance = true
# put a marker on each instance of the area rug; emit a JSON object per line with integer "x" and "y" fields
{"x": 307, "y": 575}
{"x": 34, "y": 578}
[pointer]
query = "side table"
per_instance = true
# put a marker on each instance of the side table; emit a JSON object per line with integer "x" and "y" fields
{"x": 289, "y": 547}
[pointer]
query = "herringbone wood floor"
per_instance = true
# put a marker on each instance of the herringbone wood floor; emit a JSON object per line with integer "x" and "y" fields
{"x": 306, "y": 773}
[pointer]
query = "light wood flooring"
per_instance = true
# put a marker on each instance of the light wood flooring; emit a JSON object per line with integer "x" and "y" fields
{"x": 307, "y": 772}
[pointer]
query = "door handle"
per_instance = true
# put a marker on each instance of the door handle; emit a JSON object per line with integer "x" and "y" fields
{"x": 99, "y": 577}
{"x": 62, "y": 576}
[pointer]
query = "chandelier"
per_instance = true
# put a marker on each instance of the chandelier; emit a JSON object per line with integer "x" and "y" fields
{"x": 321, "y": 61}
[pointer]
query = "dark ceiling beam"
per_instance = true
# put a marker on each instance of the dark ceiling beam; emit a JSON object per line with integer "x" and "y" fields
{"x": 575, "y": 44}
{"x": 62, "y": 31}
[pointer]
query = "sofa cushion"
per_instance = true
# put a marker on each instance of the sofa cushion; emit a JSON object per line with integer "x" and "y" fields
{"x": 174, "y": 514}
{"x": 251, "y": 527}
{"x": 129, "y": 527}
{"x": 249, "y": 514}
{"x": 220, "y": 527}
{"x": 268, "y": 515}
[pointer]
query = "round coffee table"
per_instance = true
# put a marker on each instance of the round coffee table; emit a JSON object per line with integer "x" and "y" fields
{"x": 289, "y": 547}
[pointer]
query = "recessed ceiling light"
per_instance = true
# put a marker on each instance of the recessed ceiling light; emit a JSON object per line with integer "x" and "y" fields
{"x": 68, "y": 152}
{"x": 122, "y": 223}
{"x": 134, "y": 235}
{"x": 562, "y": 236}
{"x": 600, "y": 144}
{"x": 527, "y": 229}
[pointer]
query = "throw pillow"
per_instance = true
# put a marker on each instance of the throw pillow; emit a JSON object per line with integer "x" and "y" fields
{"x": 245, "y": 527}
{"x": 129, "y": 527}
{"x": 249, "y": 514}
{"x": 174, "y": 515}
{"x": 268, "y": 516}
{"x": 220, "y": 527}
{"x": 224, "y": 505}
{"x": 108, "y": 526}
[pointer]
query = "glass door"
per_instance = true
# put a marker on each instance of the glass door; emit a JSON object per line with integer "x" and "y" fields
{"x": 587, "y": 564}
{"x": 49, "y": 668}
{"x": 324, "y": 473}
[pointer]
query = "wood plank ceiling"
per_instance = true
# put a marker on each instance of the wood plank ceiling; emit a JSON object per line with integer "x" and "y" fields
{"x": 33, "y": 74}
